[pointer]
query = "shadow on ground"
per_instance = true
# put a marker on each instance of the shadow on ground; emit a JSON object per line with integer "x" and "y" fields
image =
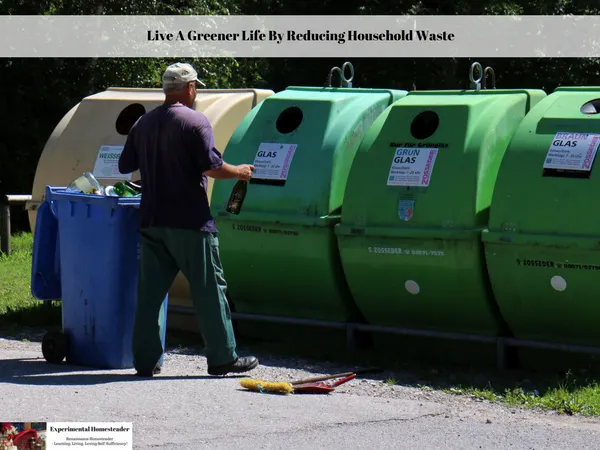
{"x": 33, "y": 319}
{"x": 36, "y": 371}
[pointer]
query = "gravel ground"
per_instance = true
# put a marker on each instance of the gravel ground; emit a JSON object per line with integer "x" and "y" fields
{"x": 186, "y": 361}
{"x": 364, "y": 413}
{"x": 276, "y": 368}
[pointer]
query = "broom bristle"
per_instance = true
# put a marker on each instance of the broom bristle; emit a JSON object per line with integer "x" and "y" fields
{"x": 280, "y": 387}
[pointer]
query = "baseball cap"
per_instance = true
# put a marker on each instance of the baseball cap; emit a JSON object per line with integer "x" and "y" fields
{"x": 180, "y": 73}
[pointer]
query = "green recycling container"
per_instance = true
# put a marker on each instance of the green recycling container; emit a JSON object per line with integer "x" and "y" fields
{"x": 280, "y": 253}
{"x": 543, "y": 243}
{"x": 416, "y": 201}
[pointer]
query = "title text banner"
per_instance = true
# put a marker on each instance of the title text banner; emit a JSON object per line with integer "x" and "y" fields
{"x": 300, "y": 36}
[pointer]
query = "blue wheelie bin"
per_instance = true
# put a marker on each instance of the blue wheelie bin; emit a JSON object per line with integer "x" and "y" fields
{"x": 86, "y": 252}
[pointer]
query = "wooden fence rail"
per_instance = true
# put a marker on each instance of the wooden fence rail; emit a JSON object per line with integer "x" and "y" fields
{"x": 5, "y": 205}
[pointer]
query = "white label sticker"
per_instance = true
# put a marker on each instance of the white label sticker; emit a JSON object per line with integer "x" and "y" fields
{"x": 107, "y": 163}
{"x": 573, "y": 151}
{"x": 412, "y": 167}
{"x": 272, "y": 161}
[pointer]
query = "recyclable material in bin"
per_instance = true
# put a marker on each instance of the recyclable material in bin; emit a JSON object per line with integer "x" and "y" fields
{"x": 417, "y": 199}
{"x": 279, "y": 254}
{"x": 543, "y": 243}
{"x": 86, "y": 184}
{"x": 99, "y": 257}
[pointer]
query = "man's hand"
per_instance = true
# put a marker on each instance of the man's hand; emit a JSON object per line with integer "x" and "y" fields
{"x": 245, "y": 172}
{"x": 229, "y": 171}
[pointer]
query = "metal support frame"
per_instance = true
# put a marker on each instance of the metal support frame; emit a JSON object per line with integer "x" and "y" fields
{"x": 5, "y": 233}
{"x": 502, "y": 343}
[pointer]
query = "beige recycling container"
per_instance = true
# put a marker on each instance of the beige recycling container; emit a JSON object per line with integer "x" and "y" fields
{"x": 102, "y": 121}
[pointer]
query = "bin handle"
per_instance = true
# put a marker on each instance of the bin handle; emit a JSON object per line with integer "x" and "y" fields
{"x": 127, "y": 204}
{"x": 49, "y": 191}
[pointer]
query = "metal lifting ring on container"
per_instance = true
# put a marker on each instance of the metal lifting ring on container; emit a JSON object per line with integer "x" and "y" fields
{"x": 485, "y": 73}
{"x": 334, "y": 69}
{"x": 480, "y": 82}
{"x": 347, "y": 81}
{"x": 344, "y": 82}
{"x": 476, "y": 83}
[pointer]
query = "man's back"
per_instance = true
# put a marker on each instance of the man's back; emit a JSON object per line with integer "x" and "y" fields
{"x": 173, "y": 145}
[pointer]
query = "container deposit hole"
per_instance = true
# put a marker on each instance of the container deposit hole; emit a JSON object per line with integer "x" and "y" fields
{"x": 591, "y": 107}
{"x": 289, "y": 120}
{"x": 128, "y": 117}
{"x": 424, "y": 125}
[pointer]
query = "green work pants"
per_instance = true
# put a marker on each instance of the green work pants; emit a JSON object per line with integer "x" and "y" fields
{"x": 165, "y": 252}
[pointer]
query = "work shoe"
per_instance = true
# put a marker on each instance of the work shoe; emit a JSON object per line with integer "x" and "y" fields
{"x": 240, "y": 365}
{"x": 157, "y": 369}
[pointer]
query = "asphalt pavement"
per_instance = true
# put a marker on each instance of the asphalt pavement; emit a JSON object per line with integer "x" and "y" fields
{"x": 185, "y": 409}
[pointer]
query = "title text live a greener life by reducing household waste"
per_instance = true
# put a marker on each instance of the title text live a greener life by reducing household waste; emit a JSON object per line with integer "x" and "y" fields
{"x": 307, "y": 36}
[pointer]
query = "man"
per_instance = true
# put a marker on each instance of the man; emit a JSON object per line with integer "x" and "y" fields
{"x": 173, "y": 148}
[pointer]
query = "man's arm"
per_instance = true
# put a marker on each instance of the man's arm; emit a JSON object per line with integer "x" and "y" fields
{"x": 225, "y": 172}
{"x": 211, "y": 160}
{"x": 128, "y": 161}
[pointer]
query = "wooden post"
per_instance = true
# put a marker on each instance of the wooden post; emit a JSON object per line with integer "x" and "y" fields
{"x": 5, "y": 227}
{"x": 5, "y": 203}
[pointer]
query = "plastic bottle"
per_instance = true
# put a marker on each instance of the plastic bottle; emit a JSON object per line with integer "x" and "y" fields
{"x": 86, "y": 183}
{"x": 236, "y": 199}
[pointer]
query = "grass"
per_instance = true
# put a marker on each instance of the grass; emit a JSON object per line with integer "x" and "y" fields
{"x": 565, "y": 399}
{"x": 18, "y": 308}
{"x": 566, "y": 393}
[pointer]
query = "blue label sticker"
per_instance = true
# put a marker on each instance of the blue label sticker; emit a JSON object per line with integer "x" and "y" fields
{"x": 406, "y": 209}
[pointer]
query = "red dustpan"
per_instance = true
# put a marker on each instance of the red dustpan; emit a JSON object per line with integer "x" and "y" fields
{"x": 321, "y": 387}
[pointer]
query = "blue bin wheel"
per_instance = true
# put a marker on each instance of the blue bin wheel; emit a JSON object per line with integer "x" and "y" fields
{"x": 54, "y": 347}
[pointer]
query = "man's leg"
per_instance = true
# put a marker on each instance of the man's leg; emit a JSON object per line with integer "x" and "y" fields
{"x": 197, "y": 254}
{"x": 156, "y": 274}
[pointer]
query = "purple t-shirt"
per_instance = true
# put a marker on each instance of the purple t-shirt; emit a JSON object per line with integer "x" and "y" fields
{"x": 172, "y": 146}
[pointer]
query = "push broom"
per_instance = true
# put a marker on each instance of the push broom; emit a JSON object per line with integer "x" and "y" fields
{"x": 313, "y": 385}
